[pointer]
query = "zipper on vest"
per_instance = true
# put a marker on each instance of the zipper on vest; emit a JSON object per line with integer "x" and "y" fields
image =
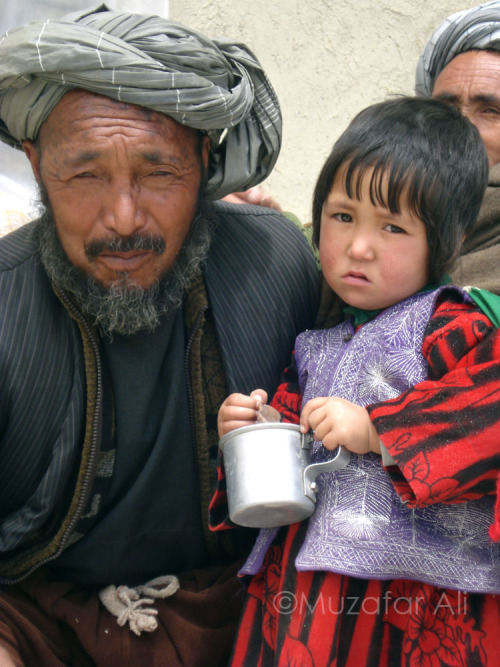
{"x": 95, "y": 445}
{"x": 189, "y": 388}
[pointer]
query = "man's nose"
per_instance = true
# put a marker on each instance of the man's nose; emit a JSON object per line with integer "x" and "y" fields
{"x": 122, "y": 212}
{"x": 467, "y": 112}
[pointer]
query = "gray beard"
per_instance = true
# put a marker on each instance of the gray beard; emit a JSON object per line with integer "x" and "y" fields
{"x": 124, "y": 307}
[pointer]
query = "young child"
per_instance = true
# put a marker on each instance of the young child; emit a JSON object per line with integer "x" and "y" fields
{"x": 396, "y": 565}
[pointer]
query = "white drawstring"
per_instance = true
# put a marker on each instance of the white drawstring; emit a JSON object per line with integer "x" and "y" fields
{"x": 128, "y": 606}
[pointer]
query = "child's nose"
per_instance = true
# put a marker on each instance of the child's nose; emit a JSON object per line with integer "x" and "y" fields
{"x": 361, "y": 247}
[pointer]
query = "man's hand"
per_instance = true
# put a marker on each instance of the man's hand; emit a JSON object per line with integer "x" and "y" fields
{"x": 5, "y": 659}
{"x": 239, "y": 410}
{"x": 255, "y": 195}
{"x": 338, "y": 422}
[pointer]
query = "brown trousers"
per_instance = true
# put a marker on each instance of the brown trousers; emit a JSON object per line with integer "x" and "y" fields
{"x": 55, "y": 624}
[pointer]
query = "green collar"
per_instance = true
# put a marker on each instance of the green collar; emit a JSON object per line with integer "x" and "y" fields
{"x": 360, "y": 316}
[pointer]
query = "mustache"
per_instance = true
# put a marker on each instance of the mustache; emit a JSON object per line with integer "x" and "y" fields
{"x": 125, "y": 244}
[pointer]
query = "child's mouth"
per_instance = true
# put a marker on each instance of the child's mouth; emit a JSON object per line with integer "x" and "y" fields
{"x": 355, "y": 278}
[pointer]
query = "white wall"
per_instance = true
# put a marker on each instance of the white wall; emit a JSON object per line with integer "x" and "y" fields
{"x": 327, "y": 60}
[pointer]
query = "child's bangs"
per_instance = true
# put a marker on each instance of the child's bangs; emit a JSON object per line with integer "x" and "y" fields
{"x": 393, "y": 183}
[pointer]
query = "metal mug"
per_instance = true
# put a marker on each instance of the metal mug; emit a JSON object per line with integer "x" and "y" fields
{"x": 270, "y": 480}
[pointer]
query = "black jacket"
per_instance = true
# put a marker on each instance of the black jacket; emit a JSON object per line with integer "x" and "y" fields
{"x": 259, "y": 289}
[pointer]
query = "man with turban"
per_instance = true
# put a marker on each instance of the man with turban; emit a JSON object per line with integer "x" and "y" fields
{"x": 461, "y": 64}
{"x": 129, "y": 310}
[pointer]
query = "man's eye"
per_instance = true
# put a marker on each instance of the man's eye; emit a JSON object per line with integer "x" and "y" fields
{"x": 491, "y": 110}
{"x": 84, "y": 174}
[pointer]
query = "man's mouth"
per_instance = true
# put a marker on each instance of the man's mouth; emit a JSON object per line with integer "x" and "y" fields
{"x": 123, "y": 261}
{"x": 125, "y": 253}
{"x": 125, "y": 246}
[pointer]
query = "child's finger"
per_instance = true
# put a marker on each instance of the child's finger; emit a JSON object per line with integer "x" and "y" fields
{"x": 237, "y": 412}
{"x": 307, "y": 415}
{"x": 231, "y": 417}
{"x": 240, "y": 400}
{"x": 260, "y": 395}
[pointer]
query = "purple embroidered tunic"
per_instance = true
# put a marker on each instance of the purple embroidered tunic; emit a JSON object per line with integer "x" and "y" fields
{"x": 360, "y": 527}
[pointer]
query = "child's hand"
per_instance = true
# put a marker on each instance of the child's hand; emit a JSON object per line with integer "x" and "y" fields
{"x": 338, "y": 422}
{"x": 239, "y": 410}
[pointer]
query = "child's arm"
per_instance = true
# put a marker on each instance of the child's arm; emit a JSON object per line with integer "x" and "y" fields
{"x": 336, "y": 421}
{"x": 287, "y": 401}
{"x": 236, "y": 411}
{"x": 443, "y": 433}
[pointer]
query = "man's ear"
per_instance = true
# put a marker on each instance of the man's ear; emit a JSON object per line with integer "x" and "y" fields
{"x": 33, "y": 155}
{"x": 205, "y": 151}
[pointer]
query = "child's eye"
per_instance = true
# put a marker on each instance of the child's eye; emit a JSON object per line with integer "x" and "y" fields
{"x": 394, "y": 229}
{"x": 343, "y": 217}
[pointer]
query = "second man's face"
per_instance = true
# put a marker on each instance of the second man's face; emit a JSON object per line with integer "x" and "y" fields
{"x": 471, "y": 81}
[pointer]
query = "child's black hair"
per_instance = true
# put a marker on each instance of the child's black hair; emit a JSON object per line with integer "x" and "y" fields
{"x": 426, "y": 152}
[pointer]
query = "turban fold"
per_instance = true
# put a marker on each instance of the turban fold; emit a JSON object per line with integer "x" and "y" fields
{"x": 476, "y": 28}
{"x": 217, "y": 86}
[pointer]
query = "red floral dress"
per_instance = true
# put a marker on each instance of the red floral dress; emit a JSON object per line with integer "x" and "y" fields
{"x": 318, "y": 619}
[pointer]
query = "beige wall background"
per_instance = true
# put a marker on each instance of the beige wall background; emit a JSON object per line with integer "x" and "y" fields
{"x": 327, "y": 60}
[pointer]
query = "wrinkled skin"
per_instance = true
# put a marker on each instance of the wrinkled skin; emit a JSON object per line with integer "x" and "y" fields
{"x": 114, "y": 171}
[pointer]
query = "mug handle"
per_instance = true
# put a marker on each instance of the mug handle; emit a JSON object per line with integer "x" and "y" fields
{"x": 340, "y": 460}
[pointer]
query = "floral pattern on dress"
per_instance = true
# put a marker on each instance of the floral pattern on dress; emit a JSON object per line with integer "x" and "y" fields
{"x": 438, "y": 629}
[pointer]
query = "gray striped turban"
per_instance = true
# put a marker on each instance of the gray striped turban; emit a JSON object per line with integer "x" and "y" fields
{"x": 217, "y": 86}
{"x": 476, "y": 28}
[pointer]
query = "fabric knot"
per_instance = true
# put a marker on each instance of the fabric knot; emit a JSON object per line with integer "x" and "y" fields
{"x": 128, "y": 605}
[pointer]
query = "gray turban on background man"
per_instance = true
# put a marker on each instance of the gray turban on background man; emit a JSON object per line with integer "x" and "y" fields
{"x": 215, "y": 86}
{"x": 471, "y": 29}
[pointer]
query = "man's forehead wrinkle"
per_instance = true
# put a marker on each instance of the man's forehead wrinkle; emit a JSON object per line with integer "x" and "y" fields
{"x": 123, "y": 130}
{"x": 154, "y": 157}
{"x": 84, "y": 156}
{"x": 485, "y": 97}
{"x": 157, "y": 157}
{"x": 448, "y": 96}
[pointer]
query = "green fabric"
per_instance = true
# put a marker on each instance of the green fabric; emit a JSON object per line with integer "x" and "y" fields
{"x": 360, "y": 316}
{"x": 217, "y": 86}
{"x": 307, "y": 230}
{"x": 488, "y": 302}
